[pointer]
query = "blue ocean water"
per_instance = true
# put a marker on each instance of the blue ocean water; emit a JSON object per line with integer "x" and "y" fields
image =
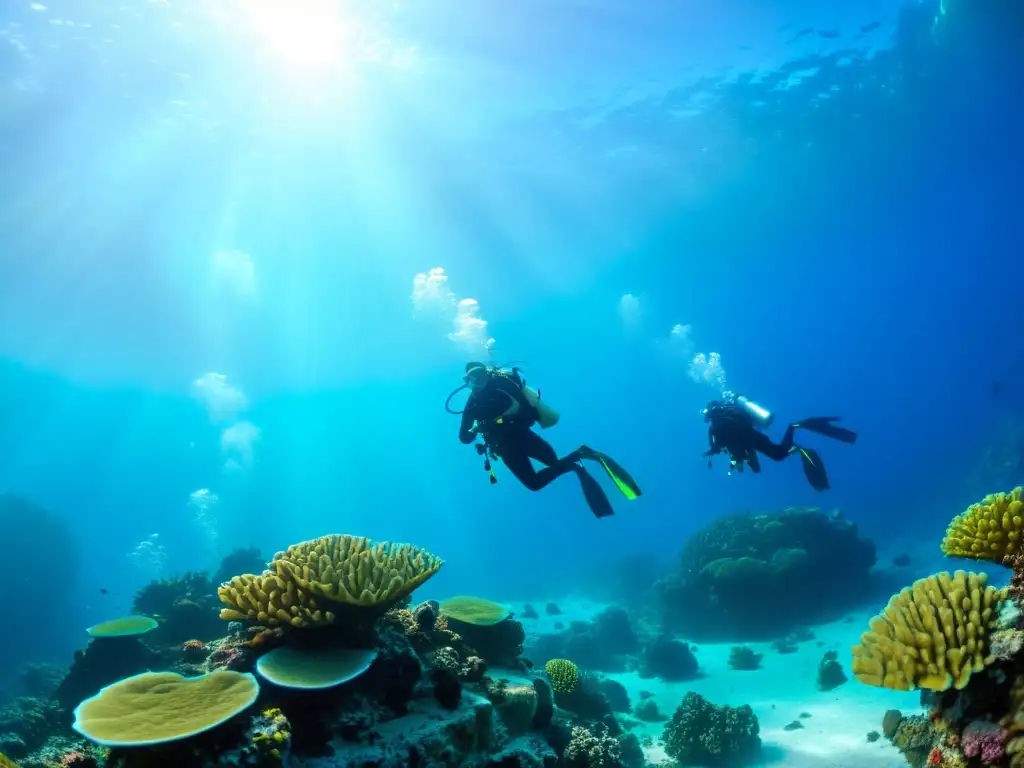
{"x": 213, "y": 219}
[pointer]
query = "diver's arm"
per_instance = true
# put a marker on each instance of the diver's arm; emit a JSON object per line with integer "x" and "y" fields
{"x": 712, "y": 447}
{"x": 466, "y": 432}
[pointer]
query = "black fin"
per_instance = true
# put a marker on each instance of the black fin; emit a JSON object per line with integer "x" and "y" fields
{"x": 823, "y": 425}
{"x": 596, "y": 498}
{"x": 814, "y": 468}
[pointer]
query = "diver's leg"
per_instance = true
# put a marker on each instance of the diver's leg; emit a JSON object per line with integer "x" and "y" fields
{"x": 753, "y": 462}
{"x": 529, "y": 445}
{"x": 513, "y": 454}
{"x": 774, "y": 451}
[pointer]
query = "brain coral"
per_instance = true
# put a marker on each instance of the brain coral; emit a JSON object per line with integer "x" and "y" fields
{"x": 933, "y": 634}
{"x": 988, "y": 530}
{"x": 156, "y": 707}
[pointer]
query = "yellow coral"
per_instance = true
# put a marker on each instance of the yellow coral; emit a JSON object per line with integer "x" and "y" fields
{"x": 354, "y": 570}
{"x": 933, "y": 634}
{"x": 304, "y": 579}
{"x": 564, "y": 675}
{"x": 156, "y": 707}
{"x": 990, "y": 530}
{"x": 6, "y": 762}
{"x": 473, "y": 610}
{"x": 271, "y": 599}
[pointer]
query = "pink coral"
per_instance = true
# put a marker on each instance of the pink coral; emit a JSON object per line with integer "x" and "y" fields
{"x": 985, "y": 740}
{"x": 74, "y": 759}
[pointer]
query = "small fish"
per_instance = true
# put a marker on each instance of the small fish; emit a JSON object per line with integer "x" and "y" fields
{"x": 103, "y": 591}
{"x": 829, "y": 34}
{"x": 871, "y": 27}
{"x": 997, "y": 388}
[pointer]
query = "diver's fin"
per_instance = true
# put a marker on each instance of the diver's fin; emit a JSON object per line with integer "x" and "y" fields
{"x": 596, "y": 499}
{"x": 622, "y": 479}
{"x": 823, "y": 426}
{"x": 814, "y": 468}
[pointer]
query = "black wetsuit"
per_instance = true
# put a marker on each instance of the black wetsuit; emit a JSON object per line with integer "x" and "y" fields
{"x": 513, "y": 439}
{"x": 732, "y": 431}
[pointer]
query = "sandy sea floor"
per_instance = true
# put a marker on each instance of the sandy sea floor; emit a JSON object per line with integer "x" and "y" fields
{"x": 833, "y": 736}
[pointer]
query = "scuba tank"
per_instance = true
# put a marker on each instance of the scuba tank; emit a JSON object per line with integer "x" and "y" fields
{"x": 761, "y": 415}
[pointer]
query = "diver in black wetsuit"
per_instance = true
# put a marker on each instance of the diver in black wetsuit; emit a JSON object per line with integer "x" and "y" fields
{"x": 734, "y": 427}
{"x": 502, "y": 411}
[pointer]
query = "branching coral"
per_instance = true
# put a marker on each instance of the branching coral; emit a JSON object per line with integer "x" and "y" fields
{"x": 701, "y": 732}
{"x": 563, "y": 674}
{"x": 304, "y": 581}
{"x": 985, "y": 740}
{"x": 591, "y": 750}
{"x": 272, "y": 599}
{"x": 989, "y": 530}
{"x": 933, "y": 634}
{"x": 353, "y": 570}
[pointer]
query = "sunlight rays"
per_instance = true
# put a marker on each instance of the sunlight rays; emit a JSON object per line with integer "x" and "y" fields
{"x": 308, "y": 36}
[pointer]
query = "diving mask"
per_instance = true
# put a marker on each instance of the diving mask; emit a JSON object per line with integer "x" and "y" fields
{"x": 476, "y": 378}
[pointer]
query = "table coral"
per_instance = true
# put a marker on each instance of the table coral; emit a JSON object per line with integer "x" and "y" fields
{"x": 153, "y": 708}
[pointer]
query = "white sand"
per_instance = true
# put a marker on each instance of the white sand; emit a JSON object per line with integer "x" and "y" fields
{"x": 834, "y": 736}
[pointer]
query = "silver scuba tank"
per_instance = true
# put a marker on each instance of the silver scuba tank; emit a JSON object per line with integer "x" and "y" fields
{"x": 757, "y": 412}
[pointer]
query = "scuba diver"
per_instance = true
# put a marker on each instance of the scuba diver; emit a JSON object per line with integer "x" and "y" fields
{"x": 502, "y": 410}
{"x": 734, "y": 427}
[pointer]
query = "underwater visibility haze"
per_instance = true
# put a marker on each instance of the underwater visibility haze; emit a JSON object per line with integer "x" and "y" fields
{"x": 248, "y": 249}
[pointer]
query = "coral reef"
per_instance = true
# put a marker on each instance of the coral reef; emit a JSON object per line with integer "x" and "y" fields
{"x": 989, "y": 530}
{"x": 959, "y": 637}
{"x": 156, "y": 707}
{"x": 25, "y": 724}
{"x": 313, "y": 668}
{"x": 669, "y": 659}
{"x": 351, "y": 569}
{"x": 104, "y": 661}
{"x": 499, "y": 644}
{"x": 743, "y": 658}
{"x": 333, "y": 570}
{"x": 830, "y": 672}
{"x": 563, "y": 674}
{"x": 607, "y": 643}
{"x": 473, "y": 610}
{"x": 748, "y": 577}
{"x": 379, "y": 685}
{"x": 647, "y": 710}
{"x": 126, "y": 626}
{"x": 185, "y": 608}
{"x": 241, "y": 560}
{"x": 933, "y": 634}
{"x": 701, "y": 733}
{"x": 590, "y": 749}
{"x": 616, "y": 694}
